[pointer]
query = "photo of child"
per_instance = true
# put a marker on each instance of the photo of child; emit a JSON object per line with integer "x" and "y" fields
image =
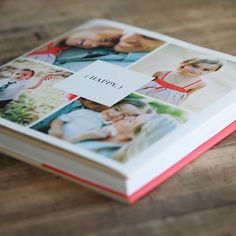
{"x": 186, "y": 78}
{"x": 11, "y": 87}
{"x": 114, "y": 132}
{"x": 175, "y": 86}
{"x": 84, "y": 46}
{"x": 25, "y": 86}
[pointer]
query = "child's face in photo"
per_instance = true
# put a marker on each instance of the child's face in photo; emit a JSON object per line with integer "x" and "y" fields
{"x": 125, "y": 126}
{"x": 22, "y": 75}
{"x": 198, "y": 69}
{"x": 119, "y": 111}
{"x": 94, "y": 38}
{"x": 135, "y": 43}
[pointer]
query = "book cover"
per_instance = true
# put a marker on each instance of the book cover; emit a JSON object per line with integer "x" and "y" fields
{"x": 122, "y": 97}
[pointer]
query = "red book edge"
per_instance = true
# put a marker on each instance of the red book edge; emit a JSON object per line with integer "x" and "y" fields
{"x": 160, "y": 178}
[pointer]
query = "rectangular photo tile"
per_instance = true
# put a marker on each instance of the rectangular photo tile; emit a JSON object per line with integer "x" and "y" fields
{"x": 85, "y": 45}
{"x": 118, "y": 132}
{"x": 186, "y": 78}
{"x": 27, "y": 92}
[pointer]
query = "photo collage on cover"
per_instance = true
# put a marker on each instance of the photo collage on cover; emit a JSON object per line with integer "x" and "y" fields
{"x": 184, "y": 82}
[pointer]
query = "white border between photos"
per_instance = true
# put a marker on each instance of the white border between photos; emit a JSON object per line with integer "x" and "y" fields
{"x": 130, "y": 167}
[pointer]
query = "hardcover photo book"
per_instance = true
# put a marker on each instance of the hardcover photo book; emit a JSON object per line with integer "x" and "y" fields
{"x": 116, "y": 108}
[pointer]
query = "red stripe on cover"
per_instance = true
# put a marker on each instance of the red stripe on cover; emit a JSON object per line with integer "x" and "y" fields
{"x": 75, "y": 177}
{"x": 162, "y": 177}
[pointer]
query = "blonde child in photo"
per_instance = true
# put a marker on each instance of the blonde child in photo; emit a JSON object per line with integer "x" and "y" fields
{"x": 147, "y": 130}
{"x": 175, "y": 86}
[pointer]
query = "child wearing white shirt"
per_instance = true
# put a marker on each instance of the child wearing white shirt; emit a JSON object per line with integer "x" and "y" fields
{"x": 10, "y": 88}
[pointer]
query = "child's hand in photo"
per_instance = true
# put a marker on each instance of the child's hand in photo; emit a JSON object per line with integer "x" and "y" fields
{"x": 58, "y": 133}
{"x": 56, "y": 129}
{"x": 101, "y": 133}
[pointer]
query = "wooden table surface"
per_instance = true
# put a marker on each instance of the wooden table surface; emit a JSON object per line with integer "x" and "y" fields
{"x": 200, "y": 200}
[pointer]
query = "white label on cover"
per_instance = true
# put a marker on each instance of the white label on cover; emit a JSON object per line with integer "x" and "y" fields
{"x": 103, "y": 83}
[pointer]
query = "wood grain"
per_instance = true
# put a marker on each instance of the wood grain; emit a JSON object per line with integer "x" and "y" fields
{"x": 200, "y": 200}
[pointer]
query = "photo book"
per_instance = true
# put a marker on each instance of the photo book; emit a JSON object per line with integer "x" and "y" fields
{"x": 116, "y": 108}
